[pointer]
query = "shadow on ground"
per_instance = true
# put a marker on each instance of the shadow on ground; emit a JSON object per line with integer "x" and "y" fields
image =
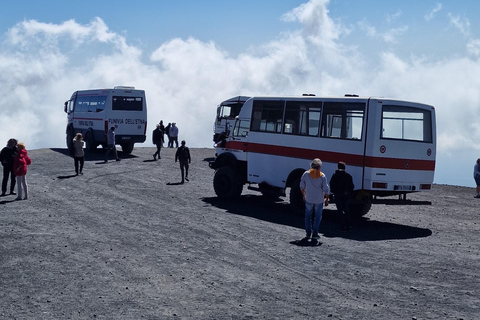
{"x": 97, "y": 155}
{"x": 364, "y": 229}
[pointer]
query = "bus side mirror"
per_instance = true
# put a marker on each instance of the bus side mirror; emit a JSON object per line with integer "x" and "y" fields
{"x": 65, "y": 106}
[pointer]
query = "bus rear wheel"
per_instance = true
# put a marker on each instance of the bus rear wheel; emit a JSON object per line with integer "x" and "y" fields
{"x": 226, "y": 185}
{"x": 127, "y": 147}
{"x": 297, "y": 205}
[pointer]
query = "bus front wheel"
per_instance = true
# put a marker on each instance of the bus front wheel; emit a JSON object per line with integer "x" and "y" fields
{"x": 91, "y": 145}
{"x": 226, "y": 185}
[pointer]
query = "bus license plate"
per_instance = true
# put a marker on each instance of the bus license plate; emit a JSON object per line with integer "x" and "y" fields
{"x": 402, "y": 188}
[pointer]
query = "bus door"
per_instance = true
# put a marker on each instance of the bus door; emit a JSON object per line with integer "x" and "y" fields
{"x": 343, "y": 136}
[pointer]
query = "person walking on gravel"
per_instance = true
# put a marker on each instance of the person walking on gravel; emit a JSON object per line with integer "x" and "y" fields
{"x": 183, "y": 155}
{"x": 157, "y": 139}
{"x": 476, "y": 176}
{"x": 315, "y": 190}
{"x": 341, "y": 185}
{"x": 7, "y": 155}
{"x": 79, "y": 155}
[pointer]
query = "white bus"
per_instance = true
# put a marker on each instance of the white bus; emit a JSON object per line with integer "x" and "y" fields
{"x": 225, "y": 119}
{"x": 389, "y": 146}
{"x": 93, "y": 112}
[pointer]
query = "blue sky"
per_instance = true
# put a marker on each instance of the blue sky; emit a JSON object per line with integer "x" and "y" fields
{"x": 190, "y": 55}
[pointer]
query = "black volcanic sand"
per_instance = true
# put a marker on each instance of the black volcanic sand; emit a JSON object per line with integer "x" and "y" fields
{"x": 126, "y": 241}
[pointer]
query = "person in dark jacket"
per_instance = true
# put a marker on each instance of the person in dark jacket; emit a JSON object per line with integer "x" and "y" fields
{"x": 7, "y": 155}
{"x": 167, "y": 132}
{"x": 183, "y": 155}
{"x": 157, "y": 139}
{"x": 341, "y": 185}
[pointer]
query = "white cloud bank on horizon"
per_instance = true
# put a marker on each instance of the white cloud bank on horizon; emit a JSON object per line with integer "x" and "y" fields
{"x": 42, "y": 64}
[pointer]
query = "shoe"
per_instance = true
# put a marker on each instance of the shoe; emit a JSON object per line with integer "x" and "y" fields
{"x": 118, "y": 159}
{"x": 186, "y": 179}
{"x": 81, "y": 173}
{"x": 18, "y": 198}
{"x": 25, "y": 198}
{"x": 182, "y": 182}
{"x": 3, "y": 194}
{"x": 477, "y": 196}
{"x": 13, "y": 193}
{"x": 154, "y": 157}
{"x": 316, "y": 238}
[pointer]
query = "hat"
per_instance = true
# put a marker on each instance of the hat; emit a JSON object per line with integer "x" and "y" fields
{"x": 316, "y": 163}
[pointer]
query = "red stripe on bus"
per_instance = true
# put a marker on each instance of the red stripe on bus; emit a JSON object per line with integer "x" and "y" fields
{"x": 329, "y": 156}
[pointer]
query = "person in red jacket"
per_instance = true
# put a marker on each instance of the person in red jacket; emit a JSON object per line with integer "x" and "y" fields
{"x": 20, "y": 164}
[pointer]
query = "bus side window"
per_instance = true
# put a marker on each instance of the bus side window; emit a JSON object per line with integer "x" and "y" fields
{"x": 343, "y": 120}
{"x": 241, "y": 128}
{"x": 302, "y": 118}
{"x": 267, "y": 115}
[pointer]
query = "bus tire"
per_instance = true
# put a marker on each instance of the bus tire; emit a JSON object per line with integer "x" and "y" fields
{"x": 69, "y": 139}
{"x": 90, "y": 143}
{"x": 127, "y": 147}
{"x": 297, "y": 205}
{"x": 226, "y": 185}
{"x": 360, "y": 209}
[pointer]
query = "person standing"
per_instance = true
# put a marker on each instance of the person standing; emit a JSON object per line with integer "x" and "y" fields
{"x": 162, "y": 129}
{"x": 7, "y": 156}
{"x": 174, "y": 134}
{"x": 79, "y": 155}
{"x": 315, "y": 190}
{"x": 167, "y": 132}
{"x": 183, "y": 155}
{"x": 111, "y": 144}
{"x": 20, "y": 164}
{"x": 157, "y": 139}
{"x": 476, "y": 176}
{"x": 341, "y": 185}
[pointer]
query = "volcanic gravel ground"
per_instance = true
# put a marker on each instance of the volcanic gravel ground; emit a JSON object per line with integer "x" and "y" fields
{"x": 127, "y": 241}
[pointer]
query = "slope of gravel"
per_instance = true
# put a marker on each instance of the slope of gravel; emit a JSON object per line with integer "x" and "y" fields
{"x": 126, "y": 241}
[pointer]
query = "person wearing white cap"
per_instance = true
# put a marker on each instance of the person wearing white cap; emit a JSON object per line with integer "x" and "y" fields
{"x": 315, "y": 190}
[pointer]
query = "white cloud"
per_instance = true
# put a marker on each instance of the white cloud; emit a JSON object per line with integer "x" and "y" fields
{"x": 429, "y": 16}
{"x": 463, "y": 25}
{"x": 389, "y": 36}
{"x": 41, "y": 64}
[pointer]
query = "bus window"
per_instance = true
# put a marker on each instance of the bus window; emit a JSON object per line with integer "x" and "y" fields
{"x": 406, "y": 123}
{"x": 97, "y": 103}
{"x": 267, "y": 115}
{"x": 302, "y": 118}
{"x": 127, "y": 103}
{"x": 241, "y": 128}
{"x": 343, "y": 120}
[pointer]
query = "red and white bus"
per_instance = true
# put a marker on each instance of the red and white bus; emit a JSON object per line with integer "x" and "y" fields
{"x": 93, "y": 112}
{"x": 389, "y": 146}
{"x": 227, "y": 111}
